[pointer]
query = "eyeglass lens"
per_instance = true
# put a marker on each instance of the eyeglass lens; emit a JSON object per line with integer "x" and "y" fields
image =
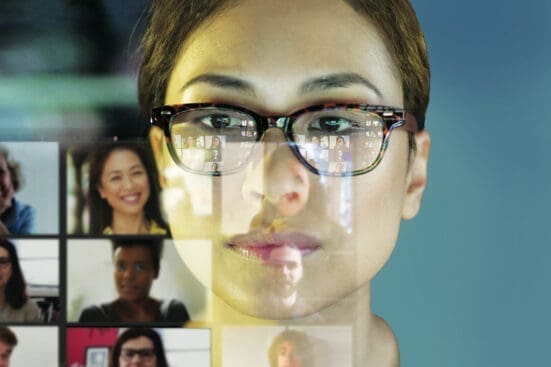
{"x": 216, "y": 139}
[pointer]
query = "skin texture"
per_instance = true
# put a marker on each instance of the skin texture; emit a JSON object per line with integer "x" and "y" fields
{"x": 271, "y": 50}
{"x": 5, "y": 354}
{"x": 287, "y": 356}
{"x": 125, "y": 186}
{"x": 134, "y": 273}
{"x": 139, "y": 343}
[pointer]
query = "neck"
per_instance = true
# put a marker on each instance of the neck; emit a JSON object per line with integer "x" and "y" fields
{"x": 368, "y": 337}
{"x": 124, "y": 224}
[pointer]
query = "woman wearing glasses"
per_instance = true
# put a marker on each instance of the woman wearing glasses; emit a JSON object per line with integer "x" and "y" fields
{"x": 123, "y": 191}
{"x": 291, "y": 70}
{"x": 15, "y": 304}
{"x": 139, "y": 347}
{"x": 137, "y": 264}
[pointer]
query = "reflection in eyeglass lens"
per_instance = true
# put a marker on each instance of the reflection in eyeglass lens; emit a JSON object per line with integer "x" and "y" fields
{"x": 330, "y": 141}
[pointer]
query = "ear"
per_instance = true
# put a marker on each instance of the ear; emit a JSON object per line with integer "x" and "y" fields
{"x": 156, "y": 138}
{"x": 416, "y": 179}
{"x": 100, "y": 191}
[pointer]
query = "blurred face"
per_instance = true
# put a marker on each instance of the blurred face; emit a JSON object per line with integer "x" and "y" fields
{"x": 6, "y": 185}
{"x": 138, "y": 352}
{"x": 5, "y": 267}
{"x": 5, "y": 354}
{"x": 124, "y": 182}
{"x": 280, "y": 56}
{"x": 134, "y": 272}
{"x": 287, "y": 355}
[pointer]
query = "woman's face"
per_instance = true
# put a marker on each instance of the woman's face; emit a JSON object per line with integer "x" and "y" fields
{"x": 278, "y": 57}
{"x": 124, "y": 182}
{"x": 134, "y": 272}
{"x": 138, "y": 352}
{"x": 5, "y": 267}
{"x": 287, "y": 355}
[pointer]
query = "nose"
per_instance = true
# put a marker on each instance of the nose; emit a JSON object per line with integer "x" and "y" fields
{"x": 128, "y": 273}
{"x": 277, "y": 176}
{"x": 136, "y": 361}
{"x": 128, "y": 182}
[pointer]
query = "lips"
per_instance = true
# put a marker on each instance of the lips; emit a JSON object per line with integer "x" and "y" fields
{"x": 131, "y": 198}
{"x": 260, "y": 246}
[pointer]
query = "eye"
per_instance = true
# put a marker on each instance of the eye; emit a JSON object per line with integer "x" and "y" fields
{"x": 140, "y": 267}
{"x": 115, "y": 178}
{"x": 330, "y": 124}
{"x": 120, "y": 266}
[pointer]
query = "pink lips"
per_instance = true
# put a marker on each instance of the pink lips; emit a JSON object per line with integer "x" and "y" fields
{"x": 261, "y": 246}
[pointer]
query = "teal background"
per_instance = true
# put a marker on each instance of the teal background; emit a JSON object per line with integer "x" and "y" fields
{"x": 469, "y": 281}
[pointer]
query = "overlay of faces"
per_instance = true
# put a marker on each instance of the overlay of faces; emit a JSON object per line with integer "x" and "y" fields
{"x": 34, "y": 343}
{"x": 39, "y": 186}
{"x": 95, "y": 256}
{"x": 344, "y": 227}
{"x": 202, "y": 152}
{"x": 91, "y": 347}
{"x": 291, "y": 346}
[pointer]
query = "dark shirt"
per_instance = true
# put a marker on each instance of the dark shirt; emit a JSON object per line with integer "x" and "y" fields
{"x": 172, "y": 311}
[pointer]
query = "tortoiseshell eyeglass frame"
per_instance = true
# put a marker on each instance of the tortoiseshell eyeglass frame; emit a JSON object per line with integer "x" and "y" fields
{"x": 392, "y": 118}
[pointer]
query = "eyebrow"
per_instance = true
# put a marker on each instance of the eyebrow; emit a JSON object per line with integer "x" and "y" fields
{"x": 338, "y": 80}
{"x": 325, "y": 82}
{"x": 222, "y": 81}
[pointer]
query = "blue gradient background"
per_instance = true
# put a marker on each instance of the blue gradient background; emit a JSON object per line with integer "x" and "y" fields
{"x": 468, "y": 284}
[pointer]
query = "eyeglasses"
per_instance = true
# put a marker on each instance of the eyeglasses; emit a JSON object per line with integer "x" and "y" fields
{"x": 5, "y": 262}
{"x": 329, "y": 139}
{"x": 129, "y": 353}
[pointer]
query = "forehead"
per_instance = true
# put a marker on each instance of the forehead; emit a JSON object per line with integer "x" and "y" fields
{"x": 277, "y": 45}
{"x": 141, "y": 253}
{"x": 138, "y": 343}
{"x": 120, "y": 157}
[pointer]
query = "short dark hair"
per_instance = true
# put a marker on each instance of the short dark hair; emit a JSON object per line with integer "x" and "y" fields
{"x": 154, "y": 245}
{"x": 7, "y": 336}
{"x": 16, "y": 288}
{"x": 13, "y": 167}
{"x": 302, "y": 343}
{"x": 101, "y": 214}
{"x": 133, "y": 333}
{"x": 395, "y": 19}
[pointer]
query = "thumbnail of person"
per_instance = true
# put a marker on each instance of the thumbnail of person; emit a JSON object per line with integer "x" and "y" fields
{"x": 15, "y": 217}
{"x": 291, "y": 348}
{"x": 139, "y": 347}
{"x": 15, "y": 304}
{"x": 137, "y": 265}
{"x": 365, "y": 60}
{"x": 123, "y": 195}
{"x": 8, "y": 341}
